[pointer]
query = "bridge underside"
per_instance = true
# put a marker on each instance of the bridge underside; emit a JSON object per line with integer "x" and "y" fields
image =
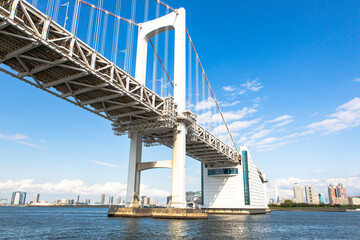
{"x": 42, "y": 53}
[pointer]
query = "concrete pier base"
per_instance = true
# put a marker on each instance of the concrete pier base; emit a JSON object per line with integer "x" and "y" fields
{"x": 235, "y": 211}
{"x": 179, "y": 213}
{"x": 130, "y": 212}
{"x": 165, "y": 213}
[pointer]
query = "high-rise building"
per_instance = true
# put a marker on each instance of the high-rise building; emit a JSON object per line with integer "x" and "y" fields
{"x": 332, "y": 194}
{"x": 316, "y": 198}
{"x": 277, "y": 198}
{"x": 337, "y": 195}
{"x": 102, "y": 198}
{"x": 146, "y": 201}
{"x": 321, "y": 198}
{"x": 298, "y": 193}
{"x": 78, "y": 199}
{"x": 341, "y": 191}
{"x": 18, "y": 198}
{"x": 111, "y": 200}
{"x": 36, "y": 198}
{"x": 309, "y": 193}
{"x": 118, "y": 200}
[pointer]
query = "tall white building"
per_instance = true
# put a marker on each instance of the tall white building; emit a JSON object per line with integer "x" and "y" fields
{"x": 36, "y": 198}
{"x": 309, "y": 193}
{"x": 102, "y": 198}
{"x": 298, "y": 193}
{"x": 118, "y": 200}
{"x": 240, "y": 188}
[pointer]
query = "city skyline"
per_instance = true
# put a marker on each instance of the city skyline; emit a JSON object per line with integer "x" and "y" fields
{"x": 300, "y": 60}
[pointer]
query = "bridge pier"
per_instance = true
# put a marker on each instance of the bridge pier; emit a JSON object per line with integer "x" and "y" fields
{"x": 133, "y": 183}
{"x": 178, "y": 168}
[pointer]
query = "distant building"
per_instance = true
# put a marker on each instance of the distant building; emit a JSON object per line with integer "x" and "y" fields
{"x": 332, "y": 194}
{"x": 18, "y": 198}
{"x": 78, "y": 199}
{"x": 102, "y": 198}
{"x": 354, "y": 200}
{"x": 146, "y": 201}
{"x": 298, "y": 193}
{"x": 309, "y": 193}
{"x": 337, "y": 195}
{"x": 111, "y": 200}
{"x": 65, "y": 201}
{"x": 118, "y": 200}
{"x": 36, "y": 198}
{"x": 168, "y": 199}
{"x": 321, "y": 198}
{"x": 341, "y": 191}
{"x": 277, "y": 198}
{"x": 4, "y": 202}
{"x": 87, "y": 201}
{"x": 316, "y": 199}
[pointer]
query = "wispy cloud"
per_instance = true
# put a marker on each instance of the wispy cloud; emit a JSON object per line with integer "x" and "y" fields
{"x": 103, "y": 163}
{"x": 357, "y": 80}
{"x": 281, "y": 121}
{"x": 229, "y": 88}
{"x": 206, "y": 104}
{"x": 225, "y": 104}
{"x": 22, "y": 139}
{"x": 253, "y": 85}
{"x": 319, "y": 171}
{"x": 209, "y": 117}
{"x": 75, "y": 186}
{"x": 346, "y": 116}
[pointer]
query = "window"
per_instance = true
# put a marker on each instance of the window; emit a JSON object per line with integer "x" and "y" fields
{"x": 222, "y": 171}
{"x": 246, "y": 178}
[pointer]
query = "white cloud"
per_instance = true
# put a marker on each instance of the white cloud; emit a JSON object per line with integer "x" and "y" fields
{"x": 229, "y": 104}
{"x": 229, "y": 116}
{"x": 103, "y": 163}
{"x": 260, "y": 134}
{"x": 285, "y": 185}
{"x": 357, "y": 80}
{"x": 319, "y": 171}
{"x": 206, "y": 104}
{"x": 281, "y": 121}
{"x": 76, "y": 186}
{"x": 253, "y": 85}
{"x": 22, "y": 139}
{"x": 234, "y": 126}
{"x": 229, "y": 88}
{"x": 346, "y": 116}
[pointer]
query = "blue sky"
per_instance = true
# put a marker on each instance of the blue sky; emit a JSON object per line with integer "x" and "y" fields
{"x": 286, "y": 74}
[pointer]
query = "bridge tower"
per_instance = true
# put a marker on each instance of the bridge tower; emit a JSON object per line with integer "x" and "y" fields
{"x": 173, "y": 21}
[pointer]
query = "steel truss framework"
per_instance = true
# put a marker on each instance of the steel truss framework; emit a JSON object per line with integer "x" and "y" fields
{"x": 47, "y": 56}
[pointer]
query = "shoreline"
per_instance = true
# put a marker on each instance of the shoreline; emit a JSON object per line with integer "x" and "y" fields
{"x": 310, "y": 209}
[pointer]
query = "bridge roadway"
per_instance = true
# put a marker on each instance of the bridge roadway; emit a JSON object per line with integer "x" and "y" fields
{"x": 42, "y": 53}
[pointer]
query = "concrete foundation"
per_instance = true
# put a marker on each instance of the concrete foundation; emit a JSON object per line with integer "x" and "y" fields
{"x": 179, "y": 213}
{"x": 235, "y": 211}
{"x": 165, "y": 213}
{"x": 130, "y": 212}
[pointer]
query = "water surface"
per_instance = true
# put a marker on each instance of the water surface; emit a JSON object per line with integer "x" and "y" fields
{"x": 93, "y": 223}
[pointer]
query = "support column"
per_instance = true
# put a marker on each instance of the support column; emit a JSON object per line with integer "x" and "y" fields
{"x": 133, "y": 183}
{"x": 179, "y": 147}
{"x": 178, "y": 168}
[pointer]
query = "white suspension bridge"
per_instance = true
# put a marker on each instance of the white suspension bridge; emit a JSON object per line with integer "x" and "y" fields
{"x": 39, "y": 50}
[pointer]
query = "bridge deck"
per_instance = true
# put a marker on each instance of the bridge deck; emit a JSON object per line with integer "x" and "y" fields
{"x": 47, "y": 56}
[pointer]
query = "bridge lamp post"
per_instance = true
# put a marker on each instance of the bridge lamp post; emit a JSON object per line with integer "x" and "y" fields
{"x": 66, "y": 13}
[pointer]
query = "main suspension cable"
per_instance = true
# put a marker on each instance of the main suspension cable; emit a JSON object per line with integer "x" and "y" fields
{"x": 212, "y": 93}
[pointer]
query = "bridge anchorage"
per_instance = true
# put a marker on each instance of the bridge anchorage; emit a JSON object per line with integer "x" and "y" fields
{"x": 40, "y": 52}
